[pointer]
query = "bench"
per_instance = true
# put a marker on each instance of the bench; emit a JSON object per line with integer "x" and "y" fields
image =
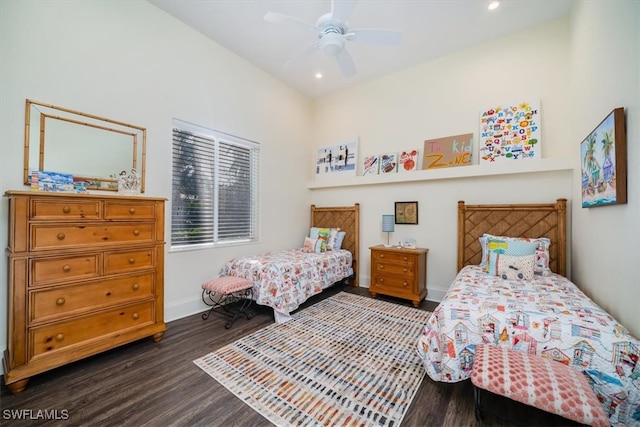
{"x": 535, "y": 381}
{"x": 231, "y": 294}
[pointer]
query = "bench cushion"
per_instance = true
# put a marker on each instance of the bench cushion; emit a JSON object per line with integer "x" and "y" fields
{"x": 227, "y": 285}
{"x": 537, "y": 381}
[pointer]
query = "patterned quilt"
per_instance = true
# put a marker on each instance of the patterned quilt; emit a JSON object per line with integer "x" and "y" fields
{"x": 284, "y": 280}
{"x": 549, "y": 316}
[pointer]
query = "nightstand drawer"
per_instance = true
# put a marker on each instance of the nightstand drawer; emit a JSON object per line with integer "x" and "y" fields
{"x": 403, "y": 270}
{"x": 392, "y": 257}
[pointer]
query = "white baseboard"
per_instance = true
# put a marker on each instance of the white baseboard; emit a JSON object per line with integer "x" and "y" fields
{"x": 183, "y": 308}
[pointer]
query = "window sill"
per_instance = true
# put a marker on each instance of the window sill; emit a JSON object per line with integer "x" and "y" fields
{"x": 458, "y": 172}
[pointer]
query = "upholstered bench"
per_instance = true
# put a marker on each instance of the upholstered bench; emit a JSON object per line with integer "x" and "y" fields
{"x": 535, "y": 381}
{"x": 232, "y": 294}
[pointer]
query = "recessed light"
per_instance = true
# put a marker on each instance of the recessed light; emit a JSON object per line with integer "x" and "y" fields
{"x": 494, "y": 5}
{"x": 318, "y": 75}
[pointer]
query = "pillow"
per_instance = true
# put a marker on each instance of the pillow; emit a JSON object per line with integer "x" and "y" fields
{"x": 333, "y": 235}
{"x": 309, "y": 245}
{"x": 511, "y": 267}
{"x": 339, "y": 240}
{"x": 541, "y": 265}
{"x": 323, "y": 237}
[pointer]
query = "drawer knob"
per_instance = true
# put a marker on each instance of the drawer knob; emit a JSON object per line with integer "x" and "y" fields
{"x": 382, "y": 267}
{"x": 66, "y": 268}
{"x": 381, "y": 255}
{"x": 132, "y": 210}
{"x": 136, "y": 232}
{"x": 59, "y": 337}
{"x": 404, "y": 270}
{"x": 60, "y": 301}
{"x": 66, "y": 209}
{"x": 132, "y": 260}
{"x": 405, "y": 258}
{"x": 136, "y": 316}
{"x": 61, "y": 236}
{"x": 136, "y": 286}
{"x": 405, "y": 284}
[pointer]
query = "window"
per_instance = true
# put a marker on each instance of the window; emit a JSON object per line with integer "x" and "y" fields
{"x": 215, "y": 188}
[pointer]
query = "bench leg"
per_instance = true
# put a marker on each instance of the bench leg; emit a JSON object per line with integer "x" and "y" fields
{"x": 477, "y": 405}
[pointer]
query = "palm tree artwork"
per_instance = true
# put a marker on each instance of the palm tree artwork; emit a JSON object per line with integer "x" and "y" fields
{"x": 599, "y": 158}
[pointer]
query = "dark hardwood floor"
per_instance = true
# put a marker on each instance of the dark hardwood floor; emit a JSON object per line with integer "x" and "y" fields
{"x": 148, "y": 384}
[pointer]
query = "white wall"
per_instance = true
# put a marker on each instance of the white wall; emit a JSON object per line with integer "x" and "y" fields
{"x": 605, "y": 74}
{"x": 132, "y": 62}
{"x": 441, "y": 98}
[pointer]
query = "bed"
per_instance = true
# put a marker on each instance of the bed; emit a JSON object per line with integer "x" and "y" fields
{"x": 547, "y": 315}
{"x": 285, "y": 279}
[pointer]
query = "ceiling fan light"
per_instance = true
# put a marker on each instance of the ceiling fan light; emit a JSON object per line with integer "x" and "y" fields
{"x": 331, "y": 44}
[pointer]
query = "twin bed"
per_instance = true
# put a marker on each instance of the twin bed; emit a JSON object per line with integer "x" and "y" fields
{"x": 285, "y": 279}
{"x": 547, "y": 315}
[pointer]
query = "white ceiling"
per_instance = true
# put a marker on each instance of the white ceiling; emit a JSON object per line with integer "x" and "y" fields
{"x": 431, "y": 28}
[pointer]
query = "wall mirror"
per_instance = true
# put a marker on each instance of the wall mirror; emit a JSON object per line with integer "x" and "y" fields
{"x": 93, "y": 149}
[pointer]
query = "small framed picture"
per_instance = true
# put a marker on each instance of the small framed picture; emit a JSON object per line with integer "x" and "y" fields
{"x": 406, "y": 212}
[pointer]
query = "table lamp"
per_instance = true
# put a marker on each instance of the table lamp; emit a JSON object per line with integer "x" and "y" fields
{"x": 388, "y": 221}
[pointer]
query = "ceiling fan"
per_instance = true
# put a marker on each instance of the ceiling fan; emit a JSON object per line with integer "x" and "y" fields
{"x": 333, "y": 32}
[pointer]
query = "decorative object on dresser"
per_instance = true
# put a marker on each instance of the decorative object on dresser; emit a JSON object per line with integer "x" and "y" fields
{"x": 86, "y": 274}
{"x": 399, "y": 272}
{"x": 388, "y": 226}
{"x": 52, "y": 132}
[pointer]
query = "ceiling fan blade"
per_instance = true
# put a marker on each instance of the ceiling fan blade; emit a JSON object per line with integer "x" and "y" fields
{"x": 341, "y": 9}
{"x": 346, "y": 63}
{"x": 375, "y": 36}
{"x": 300, "y": 56}
{"x": 279, "y": 18}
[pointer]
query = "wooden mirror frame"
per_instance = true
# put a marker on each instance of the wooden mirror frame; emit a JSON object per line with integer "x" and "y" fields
{"x": 138, "y": 148}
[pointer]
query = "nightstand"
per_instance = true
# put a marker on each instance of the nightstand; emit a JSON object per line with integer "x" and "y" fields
{"x": 399, "y": 272}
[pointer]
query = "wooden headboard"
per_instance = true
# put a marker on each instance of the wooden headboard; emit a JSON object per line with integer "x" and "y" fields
{"x": 348, "y": 219}
{"x": 523, "y": 220}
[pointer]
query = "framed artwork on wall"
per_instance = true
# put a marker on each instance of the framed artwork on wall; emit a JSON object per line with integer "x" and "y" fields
{"x": 603, "y": 155}
{"x": 406, "y": 213}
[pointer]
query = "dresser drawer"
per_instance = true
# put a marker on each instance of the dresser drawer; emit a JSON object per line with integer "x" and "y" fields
{"x": 391, "y": 257}
{"x": 68, "y": 209}
{"x": 132, "y": 210}
{"x": 50, "y": 338}
{"x": 119, "y": 262}
{"x": 63, "y": 269}
{"x": 60, "y": 236}
{"x": 406, "y": 270}
{"x": 57, "y": 302}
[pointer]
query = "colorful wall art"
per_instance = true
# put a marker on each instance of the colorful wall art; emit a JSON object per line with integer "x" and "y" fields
{"x": 337, "y": 159}
{"x": 603, "y": 156}
{"x": 448, "y": 151}
{"x": 510, "y": 132}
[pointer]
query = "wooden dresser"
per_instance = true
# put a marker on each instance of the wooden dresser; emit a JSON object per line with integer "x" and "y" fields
{"x": 86, "y": 274}
{"x": 399, "y": 272}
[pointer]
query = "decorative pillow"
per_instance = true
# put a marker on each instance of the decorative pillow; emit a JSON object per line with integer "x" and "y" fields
{"x": 309, "y": 245}
{"x": 323, "y": 236}
{"x": 541, "y": 266}
{"x": 339, "y": 240}
{"x": 511, "y": 267}
{"x": 333, "y": 235}
{"x": 313, "y": 232}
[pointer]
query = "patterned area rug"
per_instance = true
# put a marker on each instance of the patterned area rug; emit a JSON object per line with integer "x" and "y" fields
{"x": 346, "y": 360}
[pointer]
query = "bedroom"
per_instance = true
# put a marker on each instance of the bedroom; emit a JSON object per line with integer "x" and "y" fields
{"x": 123, "y": 66}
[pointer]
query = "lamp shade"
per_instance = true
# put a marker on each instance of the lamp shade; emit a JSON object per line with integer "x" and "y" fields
{"x": 388, "y": 222}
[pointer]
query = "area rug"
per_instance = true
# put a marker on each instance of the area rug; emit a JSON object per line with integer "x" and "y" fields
{"x": 346, "y": 360}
